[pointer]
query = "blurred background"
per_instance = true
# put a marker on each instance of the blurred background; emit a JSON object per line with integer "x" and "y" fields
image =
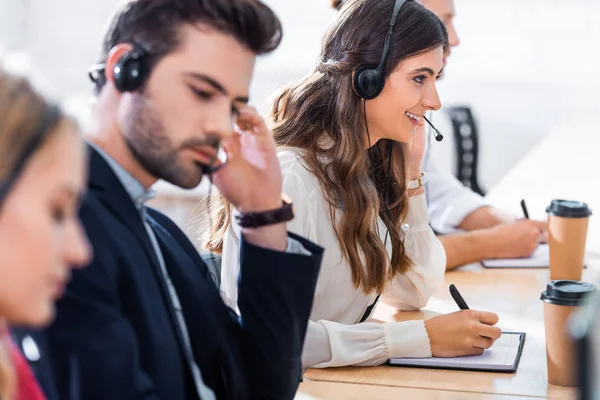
{"x": 524, "y": 67}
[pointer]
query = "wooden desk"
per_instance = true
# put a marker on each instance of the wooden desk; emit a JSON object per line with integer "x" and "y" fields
{"x": 312, "y": 390}
{"x": 563, "y": 165}
{"x": 515, "y": 296}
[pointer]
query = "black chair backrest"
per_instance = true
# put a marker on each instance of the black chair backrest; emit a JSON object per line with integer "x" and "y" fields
{"x": 466, "y": 139}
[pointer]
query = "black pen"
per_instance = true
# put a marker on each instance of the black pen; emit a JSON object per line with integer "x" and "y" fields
{"x": 460, "y": 302}
{"x": 524, "y": 208}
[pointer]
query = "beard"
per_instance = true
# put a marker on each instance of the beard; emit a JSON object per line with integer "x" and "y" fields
{"x": 148, "y": 141}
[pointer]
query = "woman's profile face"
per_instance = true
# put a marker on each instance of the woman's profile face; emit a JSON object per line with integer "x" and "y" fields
{"x": 41, "y": 238}
{"x": 409, "y": 91}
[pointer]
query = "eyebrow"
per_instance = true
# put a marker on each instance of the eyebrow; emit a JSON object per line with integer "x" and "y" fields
{"x": 215, "y": 84}
{"x": 423, "y": 69}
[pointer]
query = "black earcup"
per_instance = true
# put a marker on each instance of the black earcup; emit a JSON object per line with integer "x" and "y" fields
{"x": 131, "y": 70}
{"x": 368, "y": 81}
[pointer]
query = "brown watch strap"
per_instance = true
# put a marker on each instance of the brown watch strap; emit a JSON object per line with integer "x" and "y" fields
{"x": 284, "y": 213}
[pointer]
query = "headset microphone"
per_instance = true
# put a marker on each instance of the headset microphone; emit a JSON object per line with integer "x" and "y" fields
{"x": 217, "y": 162}
{"x": 438, "y": 136}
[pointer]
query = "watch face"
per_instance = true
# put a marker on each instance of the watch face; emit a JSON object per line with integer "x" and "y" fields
{"x": 412, "y": 185}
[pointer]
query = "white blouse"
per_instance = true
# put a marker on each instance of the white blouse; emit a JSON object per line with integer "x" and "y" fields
{"x": 335, "y": 337}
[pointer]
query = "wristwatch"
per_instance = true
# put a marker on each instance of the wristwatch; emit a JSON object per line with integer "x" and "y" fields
{"x": 417, "y": 183}
{"x": 284, "y": 213}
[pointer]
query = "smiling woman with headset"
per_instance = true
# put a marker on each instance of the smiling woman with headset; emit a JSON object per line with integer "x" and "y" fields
{"x": 351, "y": 139}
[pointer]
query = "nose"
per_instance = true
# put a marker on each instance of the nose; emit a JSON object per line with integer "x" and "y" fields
{"x": 220, "y": 122}
{"x": 431, "y": 100}
{"x": 77, "y": 251}
{"x": 453, "y": 38}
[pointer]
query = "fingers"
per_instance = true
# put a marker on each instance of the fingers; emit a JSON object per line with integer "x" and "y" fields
{"x": 531, "y": 235}
{"x": 232, "y": 146}
{"x": 486, "y": 317}
{"x": 536, "y": 226}
{"x": 490, "y": 332}
{"x": 483, "y": 343}
{"x": 475, "y": 351}
{"x": 249, "y": 120}
{"x": 541, "y": 225}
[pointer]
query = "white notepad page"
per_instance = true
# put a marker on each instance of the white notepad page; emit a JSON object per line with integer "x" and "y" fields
{"x": 539, "y": 259}
{"x": 502, "y": 356}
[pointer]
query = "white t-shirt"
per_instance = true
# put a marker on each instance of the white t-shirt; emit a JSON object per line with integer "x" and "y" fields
{"x": 335, "y": 337}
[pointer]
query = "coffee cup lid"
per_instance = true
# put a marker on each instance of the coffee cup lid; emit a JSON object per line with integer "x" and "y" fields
{"x": 567, "y": 293}
{"x": 569, "y": 209}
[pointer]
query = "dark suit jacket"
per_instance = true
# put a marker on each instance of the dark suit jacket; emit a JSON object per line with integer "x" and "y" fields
{"x": 117, "y": 320}
{"x": 41, "y": 365}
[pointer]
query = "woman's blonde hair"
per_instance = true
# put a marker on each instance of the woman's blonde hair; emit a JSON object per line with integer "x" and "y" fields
{"x": 323, "y": 115}
{"x": 26, "y": 122}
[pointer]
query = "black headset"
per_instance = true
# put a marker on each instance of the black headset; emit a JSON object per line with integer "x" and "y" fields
{"x": 129, "y": 73}
{"x": 369, "y": 79}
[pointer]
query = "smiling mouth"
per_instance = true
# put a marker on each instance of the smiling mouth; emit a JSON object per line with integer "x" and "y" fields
{"x": 416, "y": 119}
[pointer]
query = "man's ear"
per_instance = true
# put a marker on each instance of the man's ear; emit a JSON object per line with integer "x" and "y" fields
{"x": 113, "y": 57}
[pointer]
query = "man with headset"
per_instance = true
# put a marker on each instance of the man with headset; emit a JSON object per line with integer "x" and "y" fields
{"x": 144, "y": 320}
{"x": 468, "y": 227}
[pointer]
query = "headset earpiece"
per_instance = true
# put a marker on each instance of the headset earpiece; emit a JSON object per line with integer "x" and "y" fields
{"x": 368, "y": 81}
{"x": 130, "y": 72}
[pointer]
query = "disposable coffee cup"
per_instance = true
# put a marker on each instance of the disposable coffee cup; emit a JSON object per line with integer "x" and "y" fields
{"x": 561, "y": 298}
{"x": 567, "y": 233}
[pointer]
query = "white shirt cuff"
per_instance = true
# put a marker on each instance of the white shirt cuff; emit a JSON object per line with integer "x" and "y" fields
{"x": 407, "y": 339}
{"x": 452, "y": 215}
{"x": 417, "y": 219}
{"x": 295, "y": 247}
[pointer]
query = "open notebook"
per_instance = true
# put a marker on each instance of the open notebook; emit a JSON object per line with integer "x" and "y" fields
{"x": 503, "y": 356}
{"x": 539, "y": 259}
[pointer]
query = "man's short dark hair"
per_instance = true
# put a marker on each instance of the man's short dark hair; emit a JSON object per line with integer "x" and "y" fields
{"x": 155, "y": 24}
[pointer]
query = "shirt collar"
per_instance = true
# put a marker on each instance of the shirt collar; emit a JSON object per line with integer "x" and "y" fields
{"x": 139, "y": 195}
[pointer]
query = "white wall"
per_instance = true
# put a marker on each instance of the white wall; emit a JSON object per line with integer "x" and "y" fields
{"x": 524, "y": 65}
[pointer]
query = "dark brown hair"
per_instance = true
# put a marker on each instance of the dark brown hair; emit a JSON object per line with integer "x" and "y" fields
{"x": 336, "y": 3}
{"x": 155, "y": 24}
{"x": 322, "y": 114}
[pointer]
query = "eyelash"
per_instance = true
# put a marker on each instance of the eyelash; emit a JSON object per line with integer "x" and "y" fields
{"x": 58, "y": 214}
{"x": 201, "y": 94}
{"x": 207, "y": 96}
{"x": 421, "y": 78}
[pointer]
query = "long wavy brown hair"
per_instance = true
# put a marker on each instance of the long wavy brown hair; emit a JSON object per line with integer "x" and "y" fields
{"x": 322, "y": 114}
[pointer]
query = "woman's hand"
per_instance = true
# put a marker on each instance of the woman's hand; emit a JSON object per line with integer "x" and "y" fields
{"x": 416, "y": 150}
{"x": 462, "y": 333}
